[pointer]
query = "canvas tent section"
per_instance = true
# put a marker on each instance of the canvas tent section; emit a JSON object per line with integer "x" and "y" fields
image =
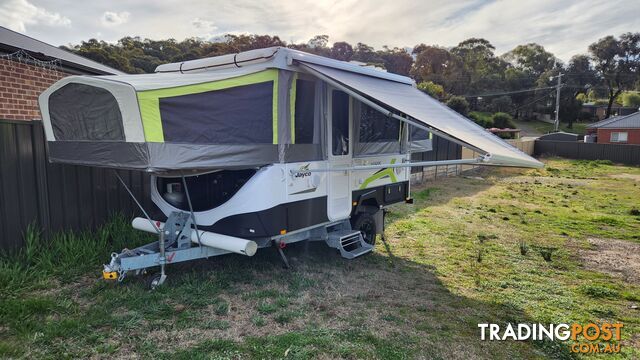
{"x": 423, "y": 111}
{"x": 167, "y": 122}
{"x": 246, "y": 110}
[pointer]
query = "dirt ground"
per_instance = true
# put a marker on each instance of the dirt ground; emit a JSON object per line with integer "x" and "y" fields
{"x": 618, "y": 258}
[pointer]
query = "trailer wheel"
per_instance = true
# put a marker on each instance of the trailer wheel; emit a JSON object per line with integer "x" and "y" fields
{"x": 154, "y": 282}
{"x": 366, "y": 223}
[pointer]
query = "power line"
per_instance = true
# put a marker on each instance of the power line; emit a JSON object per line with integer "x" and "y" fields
{"x": 534, "y": 101}
{"x": 509, "y": 92}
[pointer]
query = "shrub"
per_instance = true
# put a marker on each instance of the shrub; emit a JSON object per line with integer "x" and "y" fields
{"x": 524, "y": 248}
{"x": 631, "y": 99}
{"x": 582, "y": 98}
{"x": 481, "y": 119}
{"x": 503, "y": 120}
{"x": 433, "y": 89}
{"x": 598, "y": 291}
{"x": 459, "y": 104}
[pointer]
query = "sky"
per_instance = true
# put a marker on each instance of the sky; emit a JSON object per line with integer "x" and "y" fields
{"x": 563, "y": 27}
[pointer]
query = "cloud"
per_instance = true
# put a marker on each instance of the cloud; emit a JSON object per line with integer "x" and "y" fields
{"x": 110, "y": 18}
{"x": 204, "y": 28}
{"x": 18, "y": 14}
{"x": 564, "y": 27}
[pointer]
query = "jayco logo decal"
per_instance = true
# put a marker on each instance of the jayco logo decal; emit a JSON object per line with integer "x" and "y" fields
{"x": 303, "y": 171}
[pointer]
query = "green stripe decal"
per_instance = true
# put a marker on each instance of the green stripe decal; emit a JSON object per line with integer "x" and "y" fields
{"x": 388, "y": 172}
{"x": 274, "y": 116}
{"x": 149, "y": 100}
{"x": 292, "y": 103}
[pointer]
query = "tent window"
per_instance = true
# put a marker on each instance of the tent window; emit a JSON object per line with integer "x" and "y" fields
{"x": 340, "y": 123}
{"x": 237, "y": 115}
{"x": 419, "y": 139}
{"x": 376, "y": 126}
{"x": 304, "y": 111}
{"x": 376, "y": 133}
{"x": 84, "y": 112}
{"x": 417, "y": 134}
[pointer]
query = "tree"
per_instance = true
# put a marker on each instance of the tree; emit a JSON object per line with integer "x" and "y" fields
{"x": 396, "y": 60}
{"x": 580, "y": 76}
{"x": 459, "y": 104}
{"x": 318, "y": 41}
{"x": 366, "y": 54}
{"x": 617, "y": 62}
{"x": 341, "y": 51}
{"x": 532, "y": 58}
{"x": 440, "y": 66}
{"x": 483, "y": 71}
{"x": 502, "y": 104}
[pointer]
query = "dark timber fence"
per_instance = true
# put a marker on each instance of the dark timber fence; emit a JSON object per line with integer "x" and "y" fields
{"x": 57, "y": 197}
{"x": 442, "y": 150}
{"x": 52, "y": 196}
{"x": 623, "y": 154}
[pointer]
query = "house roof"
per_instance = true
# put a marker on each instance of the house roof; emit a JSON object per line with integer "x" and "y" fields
{"x": 11, "y": 41}
{"x": 631, "y": 121}
{"x": 593, "y": 104}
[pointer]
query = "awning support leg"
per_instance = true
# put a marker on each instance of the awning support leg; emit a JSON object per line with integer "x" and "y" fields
{"x": 193, "y": 216}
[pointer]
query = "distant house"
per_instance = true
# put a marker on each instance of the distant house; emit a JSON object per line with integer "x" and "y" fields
{"x": 600, "y": 111}
{"x": 29, "y": 66}
{"x": 617, "y": 130}
{"x": 560, "y": 136}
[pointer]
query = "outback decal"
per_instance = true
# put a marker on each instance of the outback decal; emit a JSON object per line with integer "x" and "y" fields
{"x": 380, "y": 174}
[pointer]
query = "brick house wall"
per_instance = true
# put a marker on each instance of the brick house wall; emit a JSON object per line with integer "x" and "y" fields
{"x": 20, "y": 86}
{"x": 633, "y": 137}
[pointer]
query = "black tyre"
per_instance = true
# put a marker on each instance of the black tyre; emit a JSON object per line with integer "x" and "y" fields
{"x": 366, "y": 223}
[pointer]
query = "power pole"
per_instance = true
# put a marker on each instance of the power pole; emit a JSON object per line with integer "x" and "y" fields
{"x": 558, "y": 86}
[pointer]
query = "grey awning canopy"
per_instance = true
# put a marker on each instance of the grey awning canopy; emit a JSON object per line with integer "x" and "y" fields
{"x": 426, "y": 111}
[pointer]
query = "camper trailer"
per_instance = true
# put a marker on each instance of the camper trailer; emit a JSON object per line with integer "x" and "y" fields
{"x": 256, "y": 149}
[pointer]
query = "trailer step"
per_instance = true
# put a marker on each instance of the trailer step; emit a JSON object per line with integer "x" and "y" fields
{"x": 350, "y": 243}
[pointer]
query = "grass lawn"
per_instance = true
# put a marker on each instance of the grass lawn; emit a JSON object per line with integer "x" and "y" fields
{"x": 468, "y": 251}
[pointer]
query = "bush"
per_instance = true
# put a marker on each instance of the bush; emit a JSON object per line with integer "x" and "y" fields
{"x": 481, "y": 119}
{"x": 459, "y": 104}
{"x": 598, "y": 291}
{"x": 433, "y": 89}
{"x": 631, "y": 100}
{"x": 503, "y": 120}
{"x": 582, "y": 98}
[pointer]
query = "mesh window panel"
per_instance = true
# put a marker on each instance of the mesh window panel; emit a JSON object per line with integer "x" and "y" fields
{"x": 416, "y": 134}
{"x": 304, "y": 111}
{"x": 376, "y": 126}
{"x": 238, "y": 115}
{"x": 84, "y": 112}
{"x": 340, "y": 123}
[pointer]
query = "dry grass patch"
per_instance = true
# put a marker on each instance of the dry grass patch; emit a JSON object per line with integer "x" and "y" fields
{"x": 617, "y": 258}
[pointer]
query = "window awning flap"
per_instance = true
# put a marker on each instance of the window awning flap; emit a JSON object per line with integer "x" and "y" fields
{"x": 429, "y": 112}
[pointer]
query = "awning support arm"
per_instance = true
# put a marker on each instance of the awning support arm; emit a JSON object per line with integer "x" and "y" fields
{"x": 387, "y": 112}
{"x": 136, "y": 201}
{"x": 193, "y": 216}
